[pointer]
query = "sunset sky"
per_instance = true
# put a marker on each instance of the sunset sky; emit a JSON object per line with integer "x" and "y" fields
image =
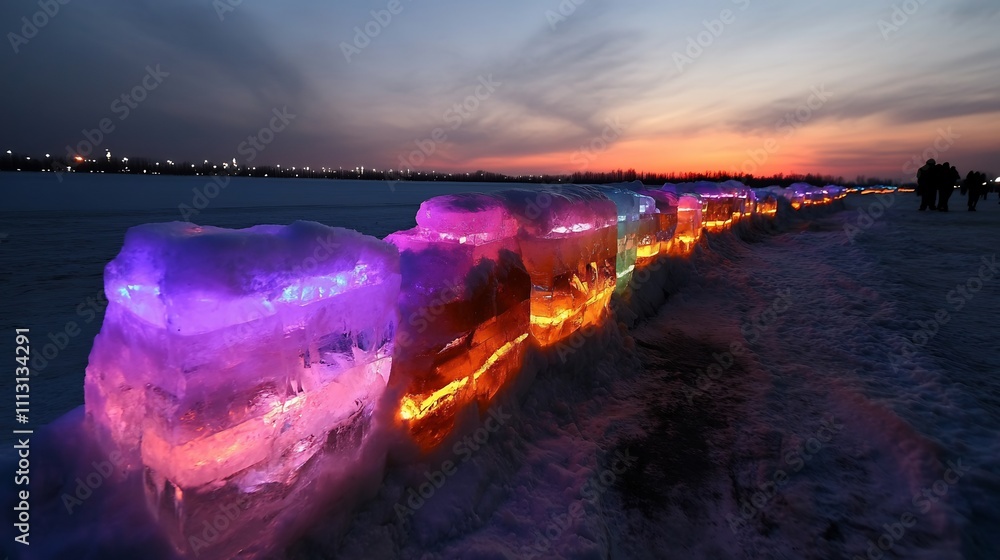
{"x": 773, "y": 86}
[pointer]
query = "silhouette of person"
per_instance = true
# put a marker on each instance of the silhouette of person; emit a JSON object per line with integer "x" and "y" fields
{"x": 970, "y": 187}
{"x": 947, "y": 176}
{"x": 925, "y": 187}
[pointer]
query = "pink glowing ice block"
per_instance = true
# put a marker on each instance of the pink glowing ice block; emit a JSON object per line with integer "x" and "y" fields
{"x": 464, "y": 310}
{"x": 229, "y": 355}
{"x": 689, "y": 222}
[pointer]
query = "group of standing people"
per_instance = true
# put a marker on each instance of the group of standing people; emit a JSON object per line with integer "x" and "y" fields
{"x": 936, "y": 183}
{"x": 976, "y": 185}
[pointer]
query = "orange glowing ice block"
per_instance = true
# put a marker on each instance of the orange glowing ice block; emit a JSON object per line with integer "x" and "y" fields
{"x": 569, "y": 241}
{"x": 464, "y": 311}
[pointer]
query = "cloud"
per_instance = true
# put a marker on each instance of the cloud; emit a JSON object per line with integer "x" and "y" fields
{"x": 606, "y": 60}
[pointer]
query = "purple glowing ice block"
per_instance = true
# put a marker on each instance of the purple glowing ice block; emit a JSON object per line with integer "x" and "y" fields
{"x": 228, "y": 357}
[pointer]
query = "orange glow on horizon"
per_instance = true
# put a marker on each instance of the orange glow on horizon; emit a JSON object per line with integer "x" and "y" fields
{"x": 866, "y": 146}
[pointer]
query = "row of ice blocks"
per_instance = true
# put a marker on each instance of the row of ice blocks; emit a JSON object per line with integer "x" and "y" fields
{"x": 483, "y": 273}
{"x": 229, "y": 358}
{"x": 661, "y": 223}
{"x": 721, "y": 203}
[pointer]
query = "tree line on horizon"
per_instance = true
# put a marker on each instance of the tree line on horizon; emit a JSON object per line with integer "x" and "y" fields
{"x": 146, "y": 166}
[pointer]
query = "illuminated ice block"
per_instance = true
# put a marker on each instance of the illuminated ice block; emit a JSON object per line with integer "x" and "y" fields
{"x": 796, "y": 194}
{"x": 718, "y": 204}
{"x": 653, "y": 228}
{"x": 648, "y": 236}
{"x": 627, "y": 204}
{"x": 568, "y": 240}
{"x": 811, "y": 194}
{"x": 464, "y": 310}
{"x": 665, "y": 204}
{"x": 743, "y": 198}
{"x": 689, "y": 222}
{"x": 229, "y": 358}
{"x": 766, "y": 202}
{"x": 836, "y": 192}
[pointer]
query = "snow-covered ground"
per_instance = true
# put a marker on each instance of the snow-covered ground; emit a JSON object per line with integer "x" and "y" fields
{"x": 792, "y": 398}
{"x": 771, "y": 409}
